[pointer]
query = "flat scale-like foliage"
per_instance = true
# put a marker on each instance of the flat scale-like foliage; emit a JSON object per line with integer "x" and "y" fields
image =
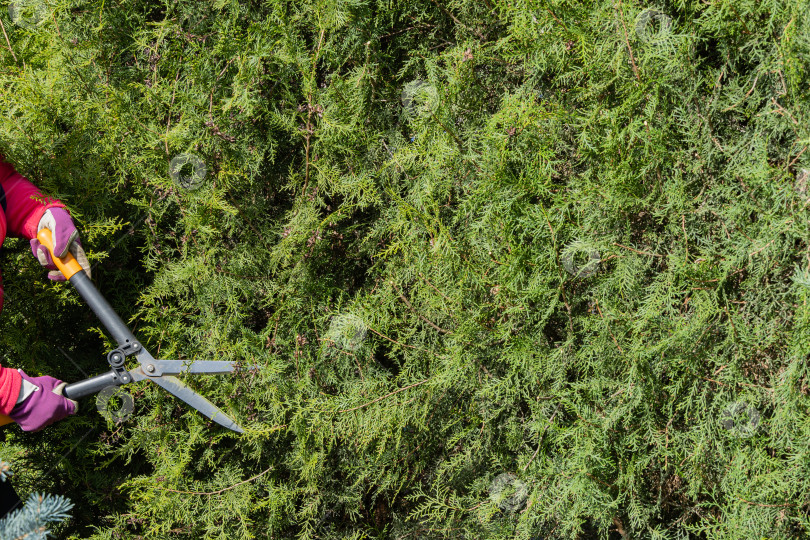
{"x": 520, "y": 269}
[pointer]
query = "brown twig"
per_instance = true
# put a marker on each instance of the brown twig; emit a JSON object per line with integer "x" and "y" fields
{"x": 784, "y": 112}
{"x": 458, "y": 22}
{"x": 213, "y": 87}
{"x": 391, "y": 340}
{"x": 734, "y": 328}
{"x": 785, "y": 505}
{"x": 219, "y": 490}
{"x": 619, "y": 526}
{"x": 737, "y": 13}
{"x": 8, "y": 42}
{"x": 426, "y": 280}
{"x": 397, "y": 391}
{"x": 760, "y": 249}
{"x": 310, "y": 109}
{"x": 609, "y": 330}
{"x": 712, "y": 380}
{"x": 347, "y": 353}
{"x": 540, "y": 440}
{"x": 448, "y": 131}
{"x": 627, "y": 41}
{"x": 425, "y": 319}
{"x": 747, "y": 94}
{"x": 169, "y": 121}
{"x": 556, "y": 18}
{"x": 793, "y": 162}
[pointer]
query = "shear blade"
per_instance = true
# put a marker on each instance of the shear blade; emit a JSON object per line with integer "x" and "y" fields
{"x": 174, "y": 367}
{"x": 180, "y": 390}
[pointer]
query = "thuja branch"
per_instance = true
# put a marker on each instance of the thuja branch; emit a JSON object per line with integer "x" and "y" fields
{"x": 425, "y": 319}
{"x": 382, "y": 397}
{"x": 217, "y": 492}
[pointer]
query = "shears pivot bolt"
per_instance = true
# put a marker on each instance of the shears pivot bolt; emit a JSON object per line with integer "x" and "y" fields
{"x": 116, "y": 359}
{"x": 150, "y": 368}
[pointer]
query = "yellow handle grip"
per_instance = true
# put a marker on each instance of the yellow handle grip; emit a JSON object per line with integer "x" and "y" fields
{"x": 5, "y": 420}
{"x": 68, "y": 264}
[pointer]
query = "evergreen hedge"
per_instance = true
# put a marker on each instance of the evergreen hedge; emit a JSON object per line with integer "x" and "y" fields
{"x": 520, "y": 269}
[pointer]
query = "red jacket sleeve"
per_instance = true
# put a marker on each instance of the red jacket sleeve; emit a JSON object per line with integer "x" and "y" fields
{"x": 22, "y": 203}
{"x": 10, "y": 382}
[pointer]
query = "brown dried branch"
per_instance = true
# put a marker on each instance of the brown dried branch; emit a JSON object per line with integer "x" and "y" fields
{"x": 425, "y": 319}
{"x": 217, "y": 492}
{"x": 627, "y": 40}
{"x": 397, "y": 391}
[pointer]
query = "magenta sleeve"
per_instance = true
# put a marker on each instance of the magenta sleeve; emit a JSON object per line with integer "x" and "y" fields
{"x": 22, "y": 202}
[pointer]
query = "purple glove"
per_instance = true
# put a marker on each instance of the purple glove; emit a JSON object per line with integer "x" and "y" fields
{"x": 44, "y": 406}
{"x": 65, "y": 239}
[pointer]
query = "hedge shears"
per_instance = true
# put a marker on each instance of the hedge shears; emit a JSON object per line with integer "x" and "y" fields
{"x": 160, "y": 372}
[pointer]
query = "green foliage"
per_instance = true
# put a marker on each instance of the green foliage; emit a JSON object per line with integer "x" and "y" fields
{"x": 564, "y": 242}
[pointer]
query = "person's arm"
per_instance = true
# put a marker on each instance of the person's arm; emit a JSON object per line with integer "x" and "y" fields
{"x": 23, "y": 204}
{"x": 28, "y": 211}
{"x": 10, "y": 382}
{"x": 10, "y": 379}
{"x": 34, "y": 402}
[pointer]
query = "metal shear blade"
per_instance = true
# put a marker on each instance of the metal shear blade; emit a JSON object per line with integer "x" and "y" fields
{"x": 178, "y": 388}
{"x": 161, "y": 373}
{"x": 155, "y": 368}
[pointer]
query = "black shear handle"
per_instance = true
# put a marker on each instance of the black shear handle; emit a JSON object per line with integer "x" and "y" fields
{"x": 71, "y": 269}
{"x": 103, "y": 310}
{"x": 114, "y": 325}
{"x": 91, "y": 386}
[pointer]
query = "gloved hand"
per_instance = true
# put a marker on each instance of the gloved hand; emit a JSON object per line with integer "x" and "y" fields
{"x": 44, "y": 403}
{"x": 65, "y": 238}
